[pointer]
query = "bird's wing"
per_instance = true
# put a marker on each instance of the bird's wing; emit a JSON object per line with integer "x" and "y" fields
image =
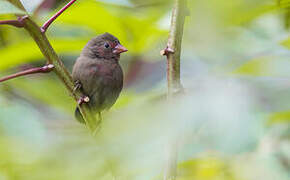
{"x": 86, "y": 71}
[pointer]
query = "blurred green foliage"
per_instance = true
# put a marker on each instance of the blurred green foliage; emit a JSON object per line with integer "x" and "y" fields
{"x": 8, "y": 8}
{"x": 232, "y": 122}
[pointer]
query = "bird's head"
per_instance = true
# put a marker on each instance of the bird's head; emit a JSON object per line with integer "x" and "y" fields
{"x": 105, "y": 46}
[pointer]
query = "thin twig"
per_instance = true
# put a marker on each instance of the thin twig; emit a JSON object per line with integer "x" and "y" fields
{"x": 17, "y": 23}
{"x": 44, "y": 69}
{"x": 12, "y": 23}
{"x": 47, "y": 23}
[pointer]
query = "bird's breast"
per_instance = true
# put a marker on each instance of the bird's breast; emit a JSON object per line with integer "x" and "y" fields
{"x": 109, "y": 73}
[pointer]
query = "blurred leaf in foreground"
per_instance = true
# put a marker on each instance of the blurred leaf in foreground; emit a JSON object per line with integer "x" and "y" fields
{"x": 8, "y": 8}
{"x": 30, "y": 52}
{"x": 31, "y": 5}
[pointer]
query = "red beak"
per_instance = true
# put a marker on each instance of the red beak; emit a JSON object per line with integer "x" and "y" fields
{"x": 119, "y": 49}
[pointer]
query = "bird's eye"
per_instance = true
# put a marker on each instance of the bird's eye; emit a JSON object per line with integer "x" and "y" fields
{"x": 107, "y": 45}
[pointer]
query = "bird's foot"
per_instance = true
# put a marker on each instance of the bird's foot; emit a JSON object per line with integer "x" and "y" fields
{"x": 77, "y": 86}
{"x": 83, "y": 99}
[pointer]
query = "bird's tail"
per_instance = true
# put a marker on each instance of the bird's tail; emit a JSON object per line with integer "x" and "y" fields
{"x": 79, "y": 116}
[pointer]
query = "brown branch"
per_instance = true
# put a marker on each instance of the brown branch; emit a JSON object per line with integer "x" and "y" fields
{"x": 17, "y": 23}
{"x": 12, "y": 23}
{"x": 47, "y": 23}
{"x": 44, "y": 69}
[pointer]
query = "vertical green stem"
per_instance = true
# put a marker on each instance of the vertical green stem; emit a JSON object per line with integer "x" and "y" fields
{"x": 174, "y": 45}
{"x": 173, "y": 52}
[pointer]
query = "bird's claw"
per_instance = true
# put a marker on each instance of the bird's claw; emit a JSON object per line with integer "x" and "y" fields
{"x": 83, "y": 99}
{"x": 77, "y": 85}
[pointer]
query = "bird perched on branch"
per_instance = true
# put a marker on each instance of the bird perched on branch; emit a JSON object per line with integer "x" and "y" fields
{"x": 98, "y": 74}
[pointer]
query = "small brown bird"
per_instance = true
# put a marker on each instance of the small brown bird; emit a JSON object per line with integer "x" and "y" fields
{"x": 98, "y": 74}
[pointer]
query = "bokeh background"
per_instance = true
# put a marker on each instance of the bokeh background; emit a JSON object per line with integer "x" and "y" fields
{"x": 232, "y": 122}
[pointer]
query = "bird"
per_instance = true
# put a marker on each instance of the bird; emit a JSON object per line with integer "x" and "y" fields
{"x": 98, "y": 74}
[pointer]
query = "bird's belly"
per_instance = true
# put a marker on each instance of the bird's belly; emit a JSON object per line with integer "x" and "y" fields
{"x": 104, "y": 97}
{"x": 108, "y": 88}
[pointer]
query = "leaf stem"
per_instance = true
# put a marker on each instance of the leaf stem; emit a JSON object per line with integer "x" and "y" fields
{"x": 47, "y": 23}
{"x": 12, "y": 23}
{"x": 44, "y": 69}
{"x": 17, "y": 23}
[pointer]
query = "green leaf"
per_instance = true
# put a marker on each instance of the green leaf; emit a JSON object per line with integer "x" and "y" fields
{"x": 269, "y": 66}
{"x": 17, "y": 3}
{"x": 121, "y": 22}
{"x": 205, "y": 168}
{"x": 117, "y": 2}
{"x": 31, "y": 5}
{"x": 8, "y": 8}
{"x": 279, "y": 117}
{"x": 283, "y": 2}
{"x": 256, "y": 67}
{"x": 34, "y": 87}
{"x": 249, "y": 15}
{"x": 286, "y": 43}
{"x": 28, "y": 51}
